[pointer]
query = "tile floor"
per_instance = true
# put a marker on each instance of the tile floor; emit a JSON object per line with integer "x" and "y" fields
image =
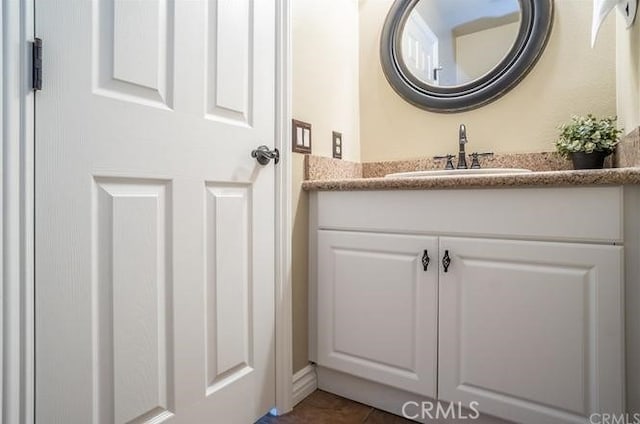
{"x": 326, "y": 408}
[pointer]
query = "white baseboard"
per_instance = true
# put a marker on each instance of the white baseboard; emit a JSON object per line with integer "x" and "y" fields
{"x": 305, "y": 382}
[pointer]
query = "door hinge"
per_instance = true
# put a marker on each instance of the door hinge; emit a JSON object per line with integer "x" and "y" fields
{"x": 36, "y": 64}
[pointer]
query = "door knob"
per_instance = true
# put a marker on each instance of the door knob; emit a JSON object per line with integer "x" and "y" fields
{"x": 264, "y": 155}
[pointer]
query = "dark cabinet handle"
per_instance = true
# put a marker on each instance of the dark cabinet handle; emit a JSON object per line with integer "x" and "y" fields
{"x": 425, "y": 260}
{"x": 446, "y": 261}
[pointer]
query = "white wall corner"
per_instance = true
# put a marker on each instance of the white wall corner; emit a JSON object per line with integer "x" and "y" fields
{"x": 305, "y": 382}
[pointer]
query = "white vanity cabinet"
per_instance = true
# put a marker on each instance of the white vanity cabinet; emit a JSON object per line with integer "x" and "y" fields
{"x": 379, "y": 309}
{"x": 527, "y": 319}
{"x": 532, "y": 331}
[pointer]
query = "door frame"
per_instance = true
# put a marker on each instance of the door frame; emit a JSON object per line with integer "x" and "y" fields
{"x": 17, "y": 121}
{"x": 17, "y": 231}
{"x": 283, "y": 292}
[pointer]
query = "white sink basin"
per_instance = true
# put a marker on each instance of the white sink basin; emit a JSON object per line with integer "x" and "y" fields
{"x": 443, "y": 172}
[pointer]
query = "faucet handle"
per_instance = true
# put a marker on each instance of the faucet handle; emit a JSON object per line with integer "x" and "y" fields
{"x": 475, "y": 163}
{"x": 449, "y": 159}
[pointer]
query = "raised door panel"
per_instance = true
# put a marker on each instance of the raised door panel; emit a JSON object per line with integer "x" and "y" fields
{"x": 134, "y": 50}
{"x": 532, "y": 331}
{"x": 229, "y": 61}
{"x": 228, "y": 299}
{"x": 377, "y": 310}
{"x": 132, "y": 306}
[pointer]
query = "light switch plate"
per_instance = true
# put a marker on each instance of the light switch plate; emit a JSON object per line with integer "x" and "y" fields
{"x": 337, "y": 145}
{"x": 301, "y": 134}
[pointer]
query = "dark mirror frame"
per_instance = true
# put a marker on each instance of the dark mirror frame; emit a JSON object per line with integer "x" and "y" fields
{"x": 535, "y": 30}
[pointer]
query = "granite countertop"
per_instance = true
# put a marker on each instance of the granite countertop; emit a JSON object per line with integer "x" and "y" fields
{"x": 609, "y": 176}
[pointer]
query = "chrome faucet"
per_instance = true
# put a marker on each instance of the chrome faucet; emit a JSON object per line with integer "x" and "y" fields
{"x": 462, "y": 155}
{"x": 462, "y": 140}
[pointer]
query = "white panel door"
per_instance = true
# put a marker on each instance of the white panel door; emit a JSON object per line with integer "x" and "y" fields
{"x": 154, "y": 225}
{"x": 377, "y": 308}
{"x": 532, "y": 331}
{"x": 420, "y": 49}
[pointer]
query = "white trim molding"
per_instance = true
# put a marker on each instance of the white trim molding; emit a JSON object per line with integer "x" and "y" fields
{"x": 305, "y": 382}
{"x": 283, "y": 296}
{"x": 2, "y": 155}
{"x": 17, "y": 290}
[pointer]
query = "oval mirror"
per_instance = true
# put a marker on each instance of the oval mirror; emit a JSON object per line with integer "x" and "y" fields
{"x": 456, "y": 55}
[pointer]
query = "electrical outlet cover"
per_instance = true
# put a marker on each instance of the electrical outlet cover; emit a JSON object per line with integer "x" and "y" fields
{"x": 337, "y": 145}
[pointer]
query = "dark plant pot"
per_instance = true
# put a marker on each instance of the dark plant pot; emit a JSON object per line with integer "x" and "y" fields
{"x": 582, "y": 160}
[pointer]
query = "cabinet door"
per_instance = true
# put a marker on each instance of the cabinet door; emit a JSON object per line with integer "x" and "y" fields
{"x": 532, "y": 331}
{"x": 377, "y": 308}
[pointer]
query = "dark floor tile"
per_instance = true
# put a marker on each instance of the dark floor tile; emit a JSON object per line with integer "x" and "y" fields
{"x": 326, "y": 408}
{"x": 323, "y": 408}
{"x": 326, "y": 400}
{"x": 381, "y": 417}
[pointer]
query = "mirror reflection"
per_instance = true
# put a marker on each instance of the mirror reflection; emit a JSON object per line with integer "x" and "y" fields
{"x": 454, "y": 42}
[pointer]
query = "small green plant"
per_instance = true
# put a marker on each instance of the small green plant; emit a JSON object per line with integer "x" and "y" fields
{"x": 588, "y": 134}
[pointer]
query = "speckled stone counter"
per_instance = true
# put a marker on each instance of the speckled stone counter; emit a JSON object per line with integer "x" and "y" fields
{"x": 628, "y": 151}
{"x": 542, "y": 161}
{"x": 612, "y": 176}
{"x": 551, "y": 170}
{"x": 321, "y": 168}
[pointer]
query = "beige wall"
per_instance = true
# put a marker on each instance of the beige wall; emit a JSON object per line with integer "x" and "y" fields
{"x": 300, "y": 254}
{"x": 628, "y": 75}
{"x": 325, "y": 72}
{"x": 570, "y": 78}
{"x": 478, "y": 52}
{"x": 325, "y": 94}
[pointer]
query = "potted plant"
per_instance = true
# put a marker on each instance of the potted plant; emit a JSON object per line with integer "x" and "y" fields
{"x": 587, "y": 140}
